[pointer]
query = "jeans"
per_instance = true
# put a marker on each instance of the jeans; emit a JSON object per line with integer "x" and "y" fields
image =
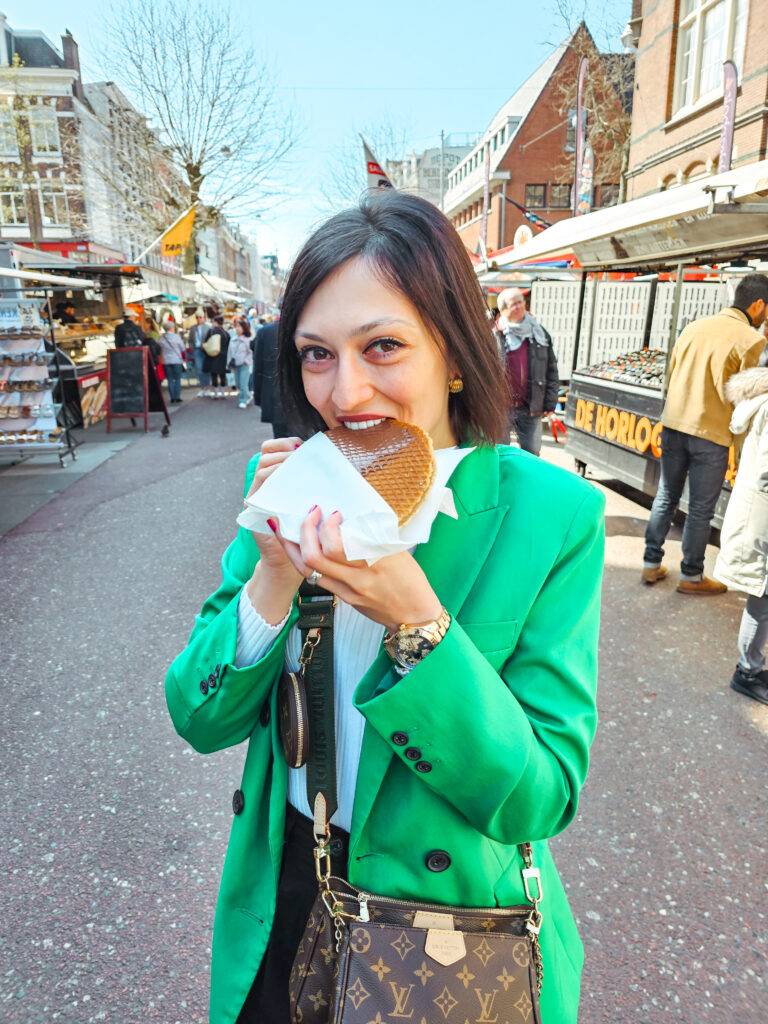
{"x": 527, "y": 429}
{"x": 173, "y": 372}
{"x": 704, "y": 464}
{"x": 202, "y": 376}
{"x": 753, "y": 635}
{"x": 242, "y": 376}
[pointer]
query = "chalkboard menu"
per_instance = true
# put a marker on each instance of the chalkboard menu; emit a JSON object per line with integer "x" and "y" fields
{"x": 133, "y": 387}
{"x": 128, "y": 381}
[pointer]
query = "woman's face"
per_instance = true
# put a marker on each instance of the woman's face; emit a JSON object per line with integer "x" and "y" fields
{"x": 366, "y": 355}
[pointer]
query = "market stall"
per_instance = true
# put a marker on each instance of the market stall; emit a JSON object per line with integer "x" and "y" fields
{"x": 685, "y": 249}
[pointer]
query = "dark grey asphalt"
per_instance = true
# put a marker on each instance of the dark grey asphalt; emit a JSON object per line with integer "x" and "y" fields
{"x": 113, "y": 832}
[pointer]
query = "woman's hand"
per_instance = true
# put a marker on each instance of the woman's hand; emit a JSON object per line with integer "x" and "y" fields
{"x": 391, "y": 592}
{"x": 275, "y": 581}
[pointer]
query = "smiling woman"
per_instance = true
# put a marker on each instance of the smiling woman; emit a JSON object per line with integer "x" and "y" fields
{"x": 462, "y": 735}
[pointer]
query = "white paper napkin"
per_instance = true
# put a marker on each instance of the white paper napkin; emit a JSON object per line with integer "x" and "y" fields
{"x": 318, "y": 474}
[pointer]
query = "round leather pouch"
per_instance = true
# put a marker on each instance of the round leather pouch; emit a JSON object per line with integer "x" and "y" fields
{"x": 293, "y": 717}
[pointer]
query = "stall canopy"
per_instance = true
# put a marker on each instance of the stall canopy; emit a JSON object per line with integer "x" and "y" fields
{"x": 719, "y": 217}
{"x": 208, "y": 286}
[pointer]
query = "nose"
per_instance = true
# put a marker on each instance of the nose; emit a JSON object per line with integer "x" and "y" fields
{"x": 352, "y": 387}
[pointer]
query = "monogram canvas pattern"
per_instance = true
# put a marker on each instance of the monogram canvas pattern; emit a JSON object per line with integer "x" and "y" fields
{"x": 382, "y": 974}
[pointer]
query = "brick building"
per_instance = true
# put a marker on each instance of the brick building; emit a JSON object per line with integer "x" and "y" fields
{"x": 678, "y": 99}
{"x": 531, "y": 143}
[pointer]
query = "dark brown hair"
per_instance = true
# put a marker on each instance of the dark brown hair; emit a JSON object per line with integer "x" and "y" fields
{"x": 415, "y": 249}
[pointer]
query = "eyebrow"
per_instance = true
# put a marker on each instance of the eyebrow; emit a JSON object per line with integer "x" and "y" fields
{"x": 386, "y": 321}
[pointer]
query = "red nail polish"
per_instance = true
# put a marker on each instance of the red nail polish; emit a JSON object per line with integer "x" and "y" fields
{"x": 312, "y": 509}
{"x": 297, "y": 445}
{"x": 272, "y": 525}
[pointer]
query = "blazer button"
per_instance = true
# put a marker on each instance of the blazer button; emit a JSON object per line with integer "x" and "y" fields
{"x": 400, "y": 738}
{"x": 438, "y": 860}
{"x": 212, "y": 681}
{"x": 238, "y": 801}
{"x": 413, "y": 754}
{"x": 204, "y": 686}
{"x": 265, "y": 714}
{"x": 424, "y": 767}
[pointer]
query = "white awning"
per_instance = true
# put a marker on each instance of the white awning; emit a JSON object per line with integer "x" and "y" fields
{"x": 662, "y": 227}
{"x": 212, "y": 287}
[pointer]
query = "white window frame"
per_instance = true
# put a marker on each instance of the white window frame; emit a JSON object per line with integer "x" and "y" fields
{"x": 696, "y": 20}
{"x": 17, "y": 200}
{"x": 58, "y": 196}
{"x": 44, "y": 120}
{"x": 8, "y": 125}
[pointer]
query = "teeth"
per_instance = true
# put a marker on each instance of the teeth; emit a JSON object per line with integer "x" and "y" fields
{"x": 363, "y": 424}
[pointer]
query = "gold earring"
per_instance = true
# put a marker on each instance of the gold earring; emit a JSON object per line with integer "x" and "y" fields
{"x": 455, "y": 385}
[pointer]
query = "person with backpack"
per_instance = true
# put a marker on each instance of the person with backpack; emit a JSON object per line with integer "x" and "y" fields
{"x": 216, "y": 347}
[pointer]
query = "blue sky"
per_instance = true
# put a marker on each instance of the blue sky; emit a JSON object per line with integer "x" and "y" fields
{"x": 342, "y": 65}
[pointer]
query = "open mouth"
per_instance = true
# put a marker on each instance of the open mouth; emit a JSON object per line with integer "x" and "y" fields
{"x": 362, "y": 424}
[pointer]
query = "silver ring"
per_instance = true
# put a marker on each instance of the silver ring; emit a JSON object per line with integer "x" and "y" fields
{"x": 314, "y": 577}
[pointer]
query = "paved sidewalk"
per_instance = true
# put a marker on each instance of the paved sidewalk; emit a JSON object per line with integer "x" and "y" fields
{"x": 114, "y": 831}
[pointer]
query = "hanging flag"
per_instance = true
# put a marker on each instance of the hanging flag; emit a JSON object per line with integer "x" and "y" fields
{"x": 486, "y": 195}
{"x": 586, "y": 179}
{"x": 580, "y": 132}
{"x": 176, "y": 239}
{"x": 376, "y": 176}
{"x": 730, "y": 81}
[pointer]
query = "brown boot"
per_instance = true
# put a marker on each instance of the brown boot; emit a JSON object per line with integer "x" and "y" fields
{"x": 705, "y": 586}
{"x": 654, "y": 575}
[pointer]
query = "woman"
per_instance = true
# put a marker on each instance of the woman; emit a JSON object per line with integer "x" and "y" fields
{"x": 216, "y": 365}
{"x": 742, "y": 563}
{"x": 173, "y": 351}
{"x": 383, "y": 317}
{"x": 241, "y": 359}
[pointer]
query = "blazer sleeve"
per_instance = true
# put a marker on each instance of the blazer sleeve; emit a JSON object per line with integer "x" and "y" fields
{"x": 212, "y": 703}
{"x": 510, "y": 750}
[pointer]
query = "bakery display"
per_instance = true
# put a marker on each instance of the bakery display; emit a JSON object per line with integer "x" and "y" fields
{"x": 644, "y": 369}
{"x": 395, "y": 458}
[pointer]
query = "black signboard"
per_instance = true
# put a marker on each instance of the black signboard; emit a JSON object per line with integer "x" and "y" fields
{"x": 133, "y": 387}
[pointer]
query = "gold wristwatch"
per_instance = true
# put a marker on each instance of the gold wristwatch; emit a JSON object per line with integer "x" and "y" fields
{"x": 409, "y": 644}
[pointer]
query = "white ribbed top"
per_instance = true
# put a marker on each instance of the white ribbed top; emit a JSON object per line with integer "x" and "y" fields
{"x": 357, "y": 641}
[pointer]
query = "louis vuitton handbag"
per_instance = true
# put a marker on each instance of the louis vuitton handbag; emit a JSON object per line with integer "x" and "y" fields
{"x": 370, "y": 959}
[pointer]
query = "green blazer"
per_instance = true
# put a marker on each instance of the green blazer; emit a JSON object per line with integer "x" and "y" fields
{"x": 503, "y": 709}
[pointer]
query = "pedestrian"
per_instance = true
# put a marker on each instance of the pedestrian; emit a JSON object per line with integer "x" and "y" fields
{"x": 696, "y": 432}
{"x": 241, "y": 359}
{"x": 742, "y": 562}
{"x": 195, "y": 339}
{"x": 215, "y": 346}
{"x": 128, "y": 334}
{"x": 452, "y": 755}
{"x": 174, "y": 353}
{"x": 531, "y": 369}
{"x": 266, "y": 390}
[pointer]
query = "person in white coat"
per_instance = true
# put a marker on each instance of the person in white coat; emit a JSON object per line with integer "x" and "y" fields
{"x": 743, "y": 560}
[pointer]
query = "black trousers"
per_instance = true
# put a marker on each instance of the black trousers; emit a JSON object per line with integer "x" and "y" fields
{"x": 267, "y": 1002}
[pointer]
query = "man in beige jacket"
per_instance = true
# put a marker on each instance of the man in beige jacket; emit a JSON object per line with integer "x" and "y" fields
{"x": 696, "y": 435}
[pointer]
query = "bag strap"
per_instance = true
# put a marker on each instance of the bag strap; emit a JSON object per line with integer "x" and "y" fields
{"x": 316, "y": 608}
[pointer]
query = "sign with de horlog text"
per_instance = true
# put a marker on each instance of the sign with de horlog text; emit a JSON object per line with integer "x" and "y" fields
{"x": 627, "y": 429}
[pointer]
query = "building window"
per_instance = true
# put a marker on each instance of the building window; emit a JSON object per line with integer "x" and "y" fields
{"x": 53, "y": 206}
{"x": 13, "y": 209}
{"x": 609, "y": 195}
{"x": 570, "y": 131}
{"x": 535, "y": 195}
{"x": 9, "y": 145}
{"x": 44, "y": 129}
{"x": 710, "y": 32}
{"x": 560, "y": 196}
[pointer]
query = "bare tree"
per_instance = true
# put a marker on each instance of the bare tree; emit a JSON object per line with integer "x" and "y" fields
{"x": 608, "y": 86}
{"x": 211, "y": 100}
{"x": 345, "y": 176}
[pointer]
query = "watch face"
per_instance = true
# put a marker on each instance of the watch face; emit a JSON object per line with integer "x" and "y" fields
{"x": 412, "y": 648}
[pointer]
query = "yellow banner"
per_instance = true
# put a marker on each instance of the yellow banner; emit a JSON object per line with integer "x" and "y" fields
{"x": 176, "y": 239}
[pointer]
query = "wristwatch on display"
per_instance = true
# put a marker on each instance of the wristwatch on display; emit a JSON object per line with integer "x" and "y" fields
{"x": 408, "y": 645}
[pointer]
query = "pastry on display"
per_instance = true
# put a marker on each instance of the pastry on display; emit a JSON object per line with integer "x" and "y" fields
{"x": 644, "y": 368}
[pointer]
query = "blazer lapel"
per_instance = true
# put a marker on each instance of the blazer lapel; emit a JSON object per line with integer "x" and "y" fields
{"x": 452, "y": 559}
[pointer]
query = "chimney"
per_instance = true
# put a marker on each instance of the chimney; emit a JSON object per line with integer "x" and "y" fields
{"x": 71, "y": 53}
{"x": 5, "y": 57}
